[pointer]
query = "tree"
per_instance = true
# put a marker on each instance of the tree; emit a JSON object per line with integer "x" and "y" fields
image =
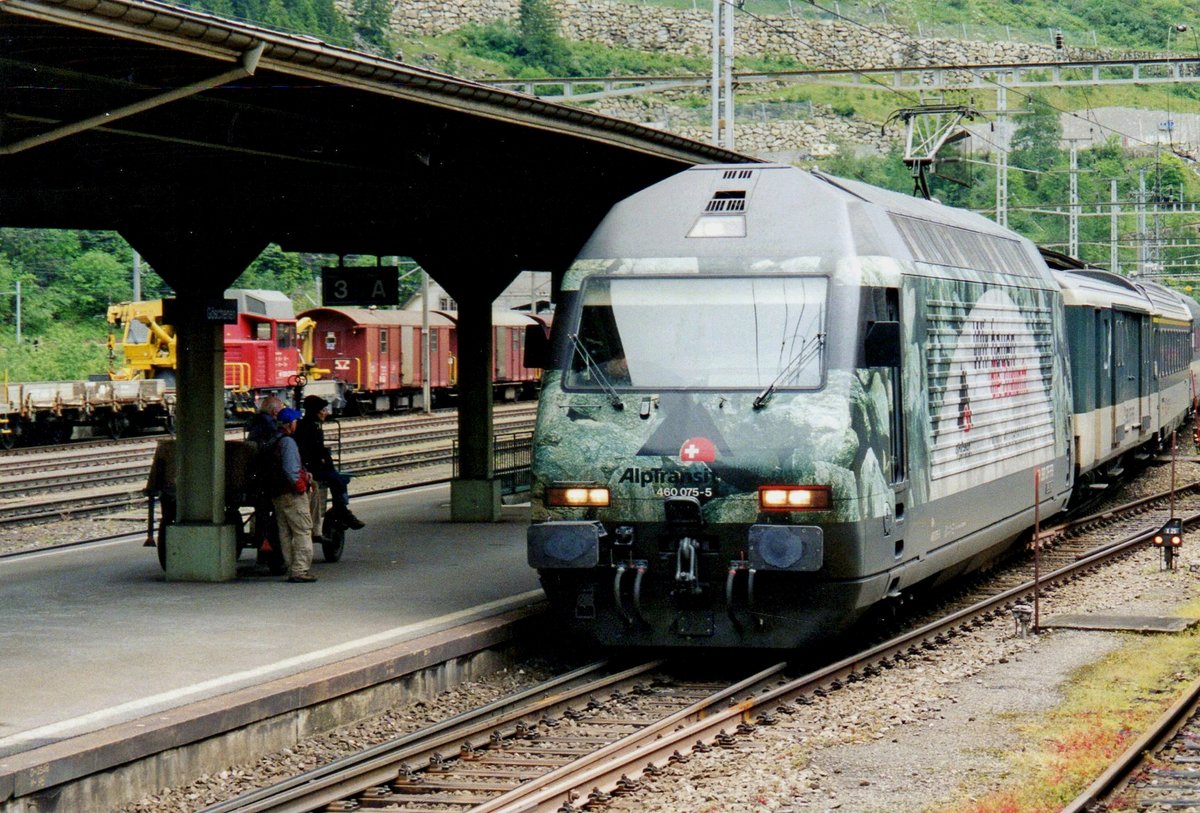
{"x": 540, "y": 43}
{"x": 1036, "y": 138}
{"x": 95, "y": 279}
{"x": 372, "y": 25}
{"x": 41, "y": 253}
{"x": 274, "y": 270}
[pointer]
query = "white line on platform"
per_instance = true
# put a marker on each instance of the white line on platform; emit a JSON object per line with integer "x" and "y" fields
{"x": 225, "y": 683}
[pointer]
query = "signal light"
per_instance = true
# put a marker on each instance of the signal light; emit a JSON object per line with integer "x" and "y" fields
{"x": 578, "y": 496}
{"x": 794, "y": 498}
{"x": 1170, "y": 539}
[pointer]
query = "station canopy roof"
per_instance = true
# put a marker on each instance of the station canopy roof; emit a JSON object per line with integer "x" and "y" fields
{"x": 153, "y": 119}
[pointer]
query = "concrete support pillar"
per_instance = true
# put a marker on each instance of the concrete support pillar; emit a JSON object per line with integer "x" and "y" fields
{"x": 201, "y": 546}
{"x": 475, "y": 492}
{"x": 199, "y": 264}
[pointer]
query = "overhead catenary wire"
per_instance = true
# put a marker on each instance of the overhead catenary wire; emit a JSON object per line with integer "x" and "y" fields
{"x": 911, "y": 45}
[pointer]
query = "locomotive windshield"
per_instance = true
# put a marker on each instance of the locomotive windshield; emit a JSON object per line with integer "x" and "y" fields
{"x": 706, "y": 332}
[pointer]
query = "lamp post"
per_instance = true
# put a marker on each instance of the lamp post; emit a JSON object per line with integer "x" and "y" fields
{"x": 1182, "y": 28}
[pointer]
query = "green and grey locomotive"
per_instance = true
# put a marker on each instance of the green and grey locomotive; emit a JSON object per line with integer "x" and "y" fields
{"x": 775, "y": 398}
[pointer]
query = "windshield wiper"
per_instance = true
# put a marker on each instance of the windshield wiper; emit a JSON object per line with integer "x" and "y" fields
{"x": 808, "y": 351}
{"x": 613, "y": 397}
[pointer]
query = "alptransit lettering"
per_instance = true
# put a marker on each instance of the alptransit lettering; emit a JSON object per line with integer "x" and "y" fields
{"x": 647, "y": 477}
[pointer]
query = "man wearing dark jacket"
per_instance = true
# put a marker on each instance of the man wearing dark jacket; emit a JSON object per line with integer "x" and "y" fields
{"x": 310, "y": 437}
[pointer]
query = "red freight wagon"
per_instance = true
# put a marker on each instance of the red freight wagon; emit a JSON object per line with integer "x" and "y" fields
{"x": 377, "y": 353}
{"x": 512, "y": 379}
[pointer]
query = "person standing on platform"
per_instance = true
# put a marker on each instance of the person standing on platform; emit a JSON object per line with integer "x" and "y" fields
{"x": 291, "y": 501}
{"x": 263, "y": 433}
{"x": 264, "y": 427}
{"x": 310, "y": 437}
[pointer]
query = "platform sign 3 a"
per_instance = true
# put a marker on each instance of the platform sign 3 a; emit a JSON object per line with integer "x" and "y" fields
{"x": 364, "y": 286}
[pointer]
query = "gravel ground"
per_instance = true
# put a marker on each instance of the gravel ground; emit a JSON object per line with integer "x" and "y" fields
{"x": 925, "y": 733}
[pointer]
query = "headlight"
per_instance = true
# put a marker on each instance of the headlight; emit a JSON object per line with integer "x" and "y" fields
{"x": 794, "y": 498}
{"x": 578, "y": 496}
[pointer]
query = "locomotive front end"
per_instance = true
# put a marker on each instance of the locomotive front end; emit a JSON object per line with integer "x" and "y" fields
{"x": 708, "y": 462}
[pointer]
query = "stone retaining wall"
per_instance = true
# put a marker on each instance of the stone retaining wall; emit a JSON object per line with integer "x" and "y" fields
{"x": 833, "y": 44}
{"x": 689, "y": 32}
{"x": 800, "y": 134}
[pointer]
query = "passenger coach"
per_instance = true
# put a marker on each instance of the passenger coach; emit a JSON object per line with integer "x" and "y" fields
{"x": 1131, "y": 346}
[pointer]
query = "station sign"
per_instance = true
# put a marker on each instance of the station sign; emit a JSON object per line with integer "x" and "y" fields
{"x": 216, "y": 311}
{"x": 363, "y": 286}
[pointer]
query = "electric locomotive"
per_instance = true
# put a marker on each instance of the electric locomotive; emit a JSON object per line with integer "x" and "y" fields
{"x": 774, "y": 398}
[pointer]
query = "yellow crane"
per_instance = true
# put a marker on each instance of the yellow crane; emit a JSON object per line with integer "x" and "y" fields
{"x": 148, "y": 346}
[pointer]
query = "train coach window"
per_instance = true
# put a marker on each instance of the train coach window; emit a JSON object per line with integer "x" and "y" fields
{"x": 706, "y": 333}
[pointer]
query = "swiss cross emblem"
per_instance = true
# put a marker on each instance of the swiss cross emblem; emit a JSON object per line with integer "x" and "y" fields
{"x": 697, "y": 450}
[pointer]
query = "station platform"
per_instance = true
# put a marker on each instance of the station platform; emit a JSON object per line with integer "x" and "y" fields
{"x": 101, "y": 653}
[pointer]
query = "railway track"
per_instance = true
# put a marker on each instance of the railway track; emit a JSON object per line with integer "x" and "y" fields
{"x": 1159, "y": 771}
{"x": 477, "y": 759}
{"x": 1066, "y": 543}
{"x": 52, "y": 484}
{"x": 578, "y": 755}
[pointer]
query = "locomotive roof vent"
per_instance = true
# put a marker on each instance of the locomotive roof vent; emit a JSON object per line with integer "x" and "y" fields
{"x": 727, "y": 200}
{"x": 737, "y": 174}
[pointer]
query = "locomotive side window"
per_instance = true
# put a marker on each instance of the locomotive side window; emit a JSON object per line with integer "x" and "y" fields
{"x": 715, "y": 332}
{"x": 262, "y": 331}
{"x": 285, "y": 336}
